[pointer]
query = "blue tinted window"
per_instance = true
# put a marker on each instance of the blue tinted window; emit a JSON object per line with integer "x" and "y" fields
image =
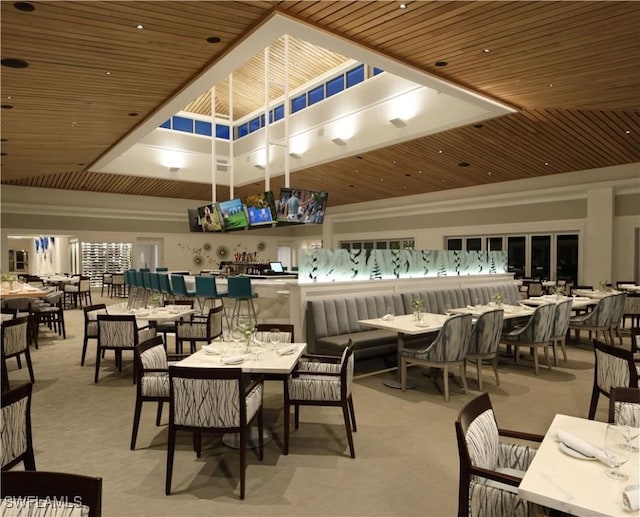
{"x": 316, "y": 95}
{"x": 243, "y": 130}
{"x": 355, "y": 76}
{"x": 377, "y": 71}
{"x": 335, "y": 86}
{"x": 279, "y": 112}
{"x": 299, "y": 103}
{"x": 183, "y": 124}
{"x": 166, "y": 124}
{"x": 254, "y": 124}
{"x": 270, "y": 116}
{"x": 262, "y": 120}
{"x": 222, "y": 132}
{"x": 203, "y": 128}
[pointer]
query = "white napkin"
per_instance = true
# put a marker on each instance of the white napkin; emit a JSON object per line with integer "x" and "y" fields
{"x": 387, "y": 317}
{"x": 210, "y": 349}
{"x": 287, "y": 349}
{"x": 581, "y": 446}
{"x": 233, "y": 359}
{"x": 631, "y": 497}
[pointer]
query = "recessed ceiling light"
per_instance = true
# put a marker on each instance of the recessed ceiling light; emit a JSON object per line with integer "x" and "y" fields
{"x": 402, "y": 6}
{"x": 627, "y": 132}
{"x": 550, "y": 85}
{"x": 140, "y": 26}
{"x": 546, "y": 163}
{"x": 419, "y": 172}
{"x": 14, "y": 62}
{"x": 133, "y": 114}
{"x": 441, "y": 63}
{"x": 464, "y": 164}
{"x": 486, "y": 50}
{"x": 24, "y": 6}
{"x": 407, "y": 174}
{"x": 9, "y": 97}
{"x": 489, "y": 173}
{"x": 381, "y": 179}
{"x": 108, "y": 72}
{"x": 213, "y": 39}
{"x": 478, "y": 126}
{"x": 439, "y": 151}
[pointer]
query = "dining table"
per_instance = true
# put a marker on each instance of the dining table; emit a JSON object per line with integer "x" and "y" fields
{"x": 565, "y": 480}
{"x": 151, "y": 315}
{"x": 23, "y": 291}
{"x": 577, "y": 302}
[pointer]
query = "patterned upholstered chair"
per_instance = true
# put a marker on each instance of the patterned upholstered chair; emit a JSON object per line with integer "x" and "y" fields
{"x": 617, "y": 315}
{"x": 119, "y": 333}
{"x": 51, "y": 493}
{"x": 448, "y": 349}
{"x": 15, "y": 428}
{"x": 263, "y": 330}
{"x": 484, "y": 341}
{"x": 320, "y": 380}
{"x": 214, "y": 400}
{"x": 535, "y": 334}
{"x": 169, "y": 327}
{"x": 15, "y": 342}
{"x": 199, "y": 329}
{"x": 152, "y": 370}
{"x": 598, "y": 320}
{"x": 560, "y": 327}
{"x": 614, "y": 366}
{"x": 624, "y": 406}
{"x": 490, "y": 470}
{"x": 91, "y": 325}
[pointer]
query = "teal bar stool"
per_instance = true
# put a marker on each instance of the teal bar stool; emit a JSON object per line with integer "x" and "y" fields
{"x": 206, "y": 289}
{"x": 165, "y": 286}
{"x": 179, "y": 287}
{"x": 240, "y": 291}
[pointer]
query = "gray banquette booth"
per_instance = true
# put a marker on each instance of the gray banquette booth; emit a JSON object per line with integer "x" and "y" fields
{"x": 330, "y": 323}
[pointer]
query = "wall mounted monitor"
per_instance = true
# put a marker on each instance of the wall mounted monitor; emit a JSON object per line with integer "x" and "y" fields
{"x": 261, "y": 208}
{"x": 301, "y": 206}
{"x": 210, "y": 218}
{"x": 194, "y": 220}
{"x": 233, "y": 215}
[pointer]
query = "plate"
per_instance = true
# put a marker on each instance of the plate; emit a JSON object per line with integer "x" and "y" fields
{"x": 287, "y": 352}
{"x": 572, "y": 452}
{"x": 210, "y": 351}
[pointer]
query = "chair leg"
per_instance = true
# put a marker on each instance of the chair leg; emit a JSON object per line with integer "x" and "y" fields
{"x": 197, "y": 444}
{"x": 260, "y": 435}
{"x": 535, "y": 361}
{"x": 347, "y": 425}
{"x": 353, "y": 414}
{"x": 29, "y": 460}
{"x": 85, "y": 342}
{"x": 464, "y": 377}
{"x": 136, "y": 422}
{"x": 243, "y": 452}
{"x": 546, "y": 357}
{"x": 595, "y": 395}
{"x": 5, "y": 376}
{"x": 287, "y": 411}
{"x": 27, "y": 357}
{"x": 159, "y": 413}
{"x": 98, "y": 356}
{"x": 171, "y": 445}
{"x": 553, "y": 347}
{"x": 494, "y": 363}
{"x": 445, "y": 382}
{"x": 296, "y": 416}
{"x": 479, "y": 370}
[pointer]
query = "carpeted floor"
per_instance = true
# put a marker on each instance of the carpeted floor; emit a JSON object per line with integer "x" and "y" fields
{"x": 406, "y": 454}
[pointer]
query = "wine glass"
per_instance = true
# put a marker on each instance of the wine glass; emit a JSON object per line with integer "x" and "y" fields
{"x": 616, "y": 455}
{"x": 389, "y": 313}
{"x": 629, "y": 415}
{"x": 236, "y": 336}
{"x": 274, "y": 338}
{"x": 447, "y": 309}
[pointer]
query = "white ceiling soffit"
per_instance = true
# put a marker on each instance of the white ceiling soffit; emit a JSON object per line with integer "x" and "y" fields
{"x": 150, "y": 151}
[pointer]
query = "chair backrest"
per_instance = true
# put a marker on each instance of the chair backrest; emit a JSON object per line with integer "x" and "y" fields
{"x": 635, "y": 339}
{"x": 286, "y": 331}
{"x": 539, "y": 328}
{"x": 154, "y": 280}
{"x": 239, "y": 287}
{"x": 146, "y": 279}
{"x": 452, "y": 341}
{"x": 178, "y": 286}
{"x": 119, "y": 331}
{"x": 614, "y": 366}
{"x": 165, "y": 285}
{"x": 15, "y": 427}
{"x": 535, "y": 289}
{"x": 85, "y": 284}
{"x": 478, "y": 443}
{"x": 21, "y": 304}
{"x": 150, "y": 354}
{"x": 212, "y": 398}
{"x": 8, "y": 314}
{"x": 117, "y": 278}
{"x": 617, "y": 309}
{"x": 53, "y": 493}
{"x": 15, "y": 336}
{"x": 214, "y": 322}
{"x": 624, "y": 406}
{"x": 485, "y": 334}
{"x": 561, "y": 319}
{"x": 205, "y": 286}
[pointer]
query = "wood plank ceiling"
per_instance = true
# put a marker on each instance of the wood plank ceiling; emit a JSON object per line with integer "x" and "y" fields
{"x": 571, "y": 69}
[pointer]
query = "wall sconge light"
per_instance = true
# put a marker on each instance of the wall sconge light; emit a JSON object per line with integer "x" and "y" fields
{"x": 259, "y": 166}
{"x": 339, "y": 141}
{"x": 398, "y": 122}
{"x": 174, "y": 169}
{"x": 295, "y": 156}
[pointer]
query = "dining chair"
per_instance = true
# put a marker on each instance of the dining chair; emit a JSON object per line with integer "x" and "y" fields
{"x": 241, "y": 291}
{"x": 599, "y": 320}
{"x": 169, "y": 327}
{"x": 624, "y": 406}
{"x": 118, "y": 285}
{"x": 632, "y": 310}
{"x": 51, "y": 314}
{"x": 213, "y": 400}
{"x": 118, "y": 333}
{"x": 91, "y": 313}
{"x": 51, "y": 493}
{"x": 614, "y": 366}
{"x": 535, "y": 289}
{"x": 490, "y": 468}
{"x": 536, "y": 333}
{"x": 15, "y": 428}
{"x": 179, "y": 287}
{"x": 107, "y": 282}
{"x": 484, "y": 342}
{"x": 199, "y": 329}
{"x": 15, "y": 343}
{"x": 447, "y": 350}
{"x": 286, "y": 330}
{"x": 206, "y": 289}
{"x": 617, "y": 315}
{"x": 320, "y": 380}
{"x": 561, "y": 319}
{"x": 152, "y": 371}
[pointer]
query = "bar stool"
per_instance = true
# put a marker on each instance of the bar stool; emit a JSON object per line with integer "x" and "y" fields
{"x": 240, "y": 291}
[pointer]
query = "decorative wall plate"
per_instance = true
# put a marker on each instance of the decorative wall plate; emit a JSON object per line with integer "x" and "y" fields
{"x": 261, "y": 246}
{"x": 206, "y": 246}
{"x": 197, "y": 260}
{"x": 223, "y": 252}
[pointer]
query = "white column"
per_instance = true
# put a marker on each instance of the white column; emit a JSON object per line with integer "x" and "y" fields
{"x": 598, "y": 241}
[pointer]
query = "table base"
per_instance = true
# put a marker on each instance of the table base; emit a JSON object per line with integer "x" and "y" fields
{"x": 393, "y": 381}
{"x": 232, "y": 440}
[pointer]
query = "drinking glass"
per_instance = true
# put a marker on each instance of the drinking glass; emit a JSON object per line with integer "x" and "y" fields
{"x": 632, "y": 421}
{"x": 236, "y": 336}
{"x": 274, "y": 338}
{"x": 389, "y": 312}
{"x": 616, "y": 455}
{"x": 447, "y": 309}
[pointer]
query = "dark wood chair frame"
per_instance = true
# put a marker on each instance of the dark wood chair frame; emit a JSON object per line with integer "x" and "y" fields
{"x": 27, "y": 354}
{"x": 198, "y": 320}
{"x": 166, "y": 328}
{"x": 465, "y": 418}
{"x": 74, "y": 488}
{"x": 87, "y": 337}
{"x": 11, "y": 397}
{"x": 622, "y": 394}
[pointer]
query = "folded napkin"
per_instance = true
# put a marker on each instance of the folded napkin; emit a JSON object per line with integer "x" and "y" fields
{"x": 210, "y": 349}
{"x": 387, "y": 317}
{"x": 581, "y": 446}
{"x": 287, "y": 349}
{"x": 631, "y": 497}
{"x": 233, "y": 359}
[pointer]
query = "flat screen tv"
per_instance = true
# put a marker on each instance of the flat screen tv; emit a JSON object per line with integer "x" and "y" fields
{"x": 210, "y": 218}
{"x": 261, "y": 208}
{"x": 194, "y": 220}
{"x": 233, "y": 215}
{"x": 302, "y": 206}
